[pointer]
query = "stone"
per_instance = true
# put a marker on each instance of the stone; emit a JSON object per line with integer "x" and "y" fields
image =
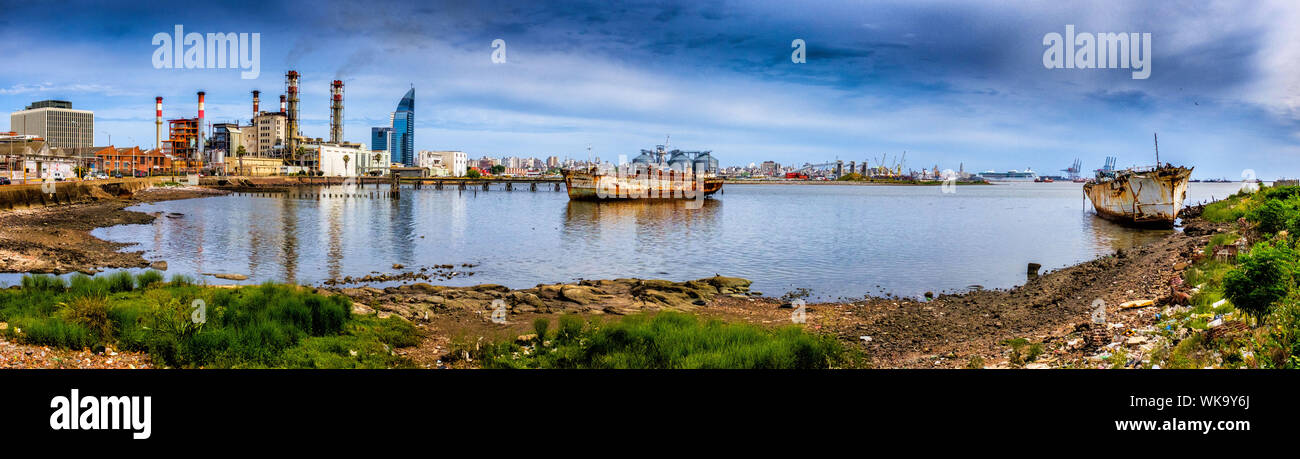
{"x": 158, "y": 265}
{"x": 398, "y": 266}
{"x": 522, "y": 339}
{"x": 578, "y": 294}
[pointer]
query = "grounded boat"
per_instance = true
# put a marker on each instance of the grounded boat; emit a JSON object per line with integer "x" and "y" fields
{"x": 1140, "y": 196}
{"x": 656, "y": 174}
{"x": 644, "y": 184}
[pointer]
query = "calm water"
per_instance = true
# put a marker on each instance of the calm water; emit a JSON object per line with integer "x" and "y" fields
{"x": 834, "y": 240}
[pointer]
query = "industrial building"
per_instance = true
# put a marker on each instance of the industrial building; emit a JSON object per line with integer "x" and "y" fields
{"x": 56, "y": 122}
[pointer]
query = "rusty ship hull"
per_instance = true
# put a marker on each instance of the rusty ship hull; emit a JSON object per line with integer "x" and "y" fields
{"x": 1140, "y": 197}
{"x": 671, "y": 185}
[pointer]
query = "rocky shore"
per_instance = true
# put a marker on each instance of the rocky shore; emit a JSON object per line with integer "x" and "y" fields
{"x": 1052, "y": 311}
{"x": 57, "y": 239}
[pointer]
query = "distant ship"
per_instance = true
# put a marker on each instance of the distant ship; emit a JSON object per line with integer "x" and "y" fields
{"x": 1010, "y": 176}
{"x": 685, "y": 175}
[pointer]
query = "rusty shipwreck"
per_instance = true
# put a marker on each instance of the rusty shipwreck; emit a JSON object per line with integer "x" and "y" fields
{"x": 657, "y": 174}
{"x": 1151, "y": 196}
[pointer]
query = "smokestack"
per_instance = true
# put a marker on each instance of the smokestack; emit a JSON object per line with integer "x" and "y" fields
{"x": 281, "y": 103}
{"x": 291, "y": 81}
{"x": 336, "y": 112}
{"x": 256, "y": 97}
{"x": 157, "y": 135}
{"x": 202, "y": 121}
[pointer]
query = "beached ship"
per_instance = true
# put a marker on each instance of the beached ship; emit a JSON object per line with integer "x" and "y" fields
{"x": 1150, "y": 196}
{"x": 656, "y": 174}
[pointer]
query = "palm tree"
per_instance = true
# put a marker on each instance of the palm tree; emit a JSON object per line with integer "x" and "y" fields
{"x": 239, "y": 153}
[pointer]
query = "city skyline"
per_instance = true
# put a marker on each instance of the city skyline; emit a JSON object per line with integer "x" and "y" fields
{"x": 948, "y": 83}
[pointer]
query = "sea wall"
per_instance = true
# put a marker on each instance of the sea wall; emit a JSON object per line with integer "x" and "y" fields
{"x": 34, "y": 195}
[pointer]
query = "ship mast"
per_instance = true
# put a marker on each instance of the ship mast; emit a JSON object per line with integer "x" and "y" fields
{"x": 1156, "y": 138}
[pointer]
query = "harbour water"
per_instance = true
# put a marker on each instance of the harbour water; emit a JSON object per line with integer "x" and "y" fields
{"x": 836, "y": 241}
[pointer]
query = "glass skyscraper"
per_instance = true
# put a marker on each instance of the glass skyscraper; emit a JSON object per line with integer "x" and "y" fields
{"x": 403, "y": 146}
{"x": 379, "y": 138}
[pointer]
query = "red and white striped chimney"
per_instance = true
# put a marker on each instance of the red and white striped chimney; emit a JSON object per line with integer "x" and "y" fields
{"x": 157, "y": 136}
{"x": 202, "y": 120}
{"x": 256, "y": 95}
{"x": 282, "y": 103}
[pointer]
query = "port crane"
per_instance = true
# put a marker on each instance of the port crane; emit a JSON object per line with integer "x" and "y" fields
{"x": 1073, "y": 171}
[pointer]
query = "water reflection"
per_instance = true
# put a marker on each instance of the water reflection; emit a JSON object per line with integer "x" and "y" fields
{"x": 835, "y": 240}
{"x": 1112, "y": 236}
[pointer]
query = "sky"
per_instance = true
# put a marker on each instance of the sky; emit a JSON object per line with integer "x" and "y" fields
{"x": 951, "y": 83}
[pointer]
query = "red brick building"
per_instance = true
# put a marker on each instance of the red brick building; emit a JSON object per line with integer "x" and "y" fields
{"x": 151, "y": 162}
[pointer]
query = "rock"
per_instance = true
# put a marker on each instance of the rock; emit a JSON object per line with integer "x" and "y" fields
{"x": 226, "y": 276}
{"x": 524, "y": 339}
{"x": 729, "y": 284}
{"x": 577, "y": 294}
{"x": 424, "y": 287}
{"x": 526, "y": 298}
{"x": 158, "y": 265}
{"x": 1136, "y": 340}
{"x": 1180, "y": 266}
{"x": 361, "y": 309}
{"x": 398, "y": 266}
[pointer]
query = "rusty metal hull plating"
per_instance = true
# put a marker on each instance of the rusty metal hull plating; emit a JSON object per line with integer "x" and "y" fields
{"x": 1143, "y": 198}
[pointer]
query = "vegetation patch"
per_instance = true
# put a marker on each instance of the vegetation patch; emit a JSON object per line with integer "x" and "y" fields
{"x": 661, "y": 341}
{"x": 181, "y": 324}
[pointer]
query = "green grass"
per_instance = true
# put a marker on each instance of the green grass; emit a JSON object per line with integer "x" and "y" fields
{"x": 270, "y": 325}
{"x": 668, "y": 340}
{"x": 1262, "y": 283}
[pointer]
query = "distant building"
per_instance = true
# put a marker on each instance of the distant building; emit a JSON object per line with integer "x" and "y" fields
{"x": 443, "y": 163}
{"x": 269, "y": 131}
{"x": 56, "y": 122}
{"x": 403, "y": 139}
{"x": 339, "y": 160}
{"x": 375, "y": 162}
{"x": 381, "y": 138}
{"x": 123, "y": 161}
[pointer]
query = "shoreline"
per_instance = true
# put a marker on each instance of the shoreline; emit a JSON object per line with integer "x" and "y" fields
{"x": 846, "y": 182}
{"x": 948, "y": 331}
{"x": 57, "y": 239}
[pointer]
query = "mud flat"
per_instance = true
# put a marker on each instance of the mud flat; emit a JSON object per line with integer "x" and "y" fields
{"x": 947, "y": 331}
{"x": 57, "y": 239}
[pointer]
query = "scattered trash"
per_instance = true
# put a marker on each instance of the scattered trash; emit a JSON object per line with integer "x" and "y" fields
{"x": 1136, "y": 304}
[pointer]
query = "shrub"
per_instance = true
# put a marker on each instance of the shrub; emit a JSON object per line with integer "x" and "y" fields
{"x": 90, "y": 312}
{"x": 180, "y": 280}
{"x": 540, "y": 326}
{"x": 149, "y": 278}
{"x": 1276, "y": 215}
{"x": 1264, "y": 276}
{"x": 675, "y": 340}
{"x": 43, "y": 282}
{"x": 121, "y": 281}
{"x": 52, "y": 331}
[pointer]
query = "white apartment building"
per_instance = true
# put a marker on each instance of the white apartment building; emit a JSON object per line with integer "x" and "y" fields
{"x": 443, "y": 163}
